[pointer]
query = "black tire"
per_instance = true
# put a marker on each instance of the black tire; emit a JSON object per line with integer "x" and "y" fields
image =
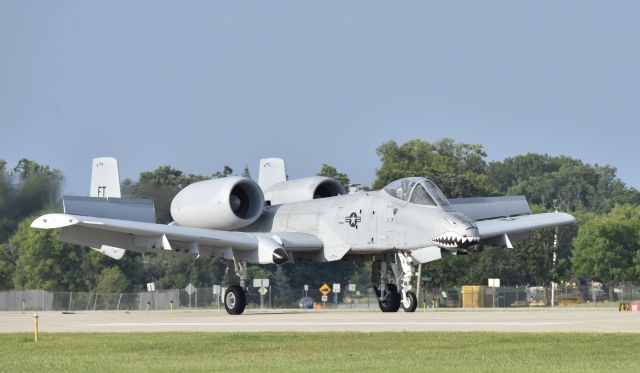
{"x": 413, "y": 302}
{"x": 235, "y": 300}
{"x": 391, "y": 301}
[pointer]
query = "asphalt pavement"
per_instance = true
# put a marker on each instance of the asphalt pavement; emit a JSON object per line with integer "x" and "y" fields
{"x": 515, "y": 320}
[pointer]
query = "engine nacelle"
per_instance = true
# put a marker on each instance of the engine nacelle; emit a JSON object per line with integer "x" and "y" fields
{"x": 227, "y": 203}
{"x": 303, "y": 190}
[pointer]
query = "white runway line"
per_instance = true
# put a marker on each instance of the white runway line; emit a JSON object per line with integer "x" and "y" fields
{"x": 150, "y": 324}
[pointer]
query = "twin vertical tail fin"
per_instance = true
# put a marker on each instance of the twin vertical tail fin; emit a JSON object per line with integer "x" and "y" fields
{"x": 272, "y": 171}
{"x": 105, "y": 201}
{"x": 105, "y": 181}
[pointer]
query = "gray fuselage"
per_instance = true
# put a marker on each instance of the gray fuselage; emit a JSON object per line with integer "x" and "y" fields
{"x": 365, "y": 223}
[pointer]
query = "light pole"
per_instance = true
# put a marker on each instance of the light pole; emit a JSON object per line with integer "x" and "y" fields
{"x": 555, "y": 249}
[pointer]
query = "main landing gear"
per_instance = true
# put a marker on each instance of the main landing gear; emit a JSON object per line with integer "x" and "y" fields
{"x": 389, "y": 298}
{"x": 235, "y": 298}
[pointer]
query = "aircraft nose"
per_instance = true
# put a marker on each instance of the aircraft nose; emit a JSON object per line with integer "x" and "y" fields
{"x": 459, "y": 232}
{"x": 472, "y": 231}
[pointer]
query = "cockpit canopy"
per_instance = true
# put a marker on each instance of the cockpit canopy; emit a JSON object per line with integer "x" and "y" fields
{"x": 417, "y": 190}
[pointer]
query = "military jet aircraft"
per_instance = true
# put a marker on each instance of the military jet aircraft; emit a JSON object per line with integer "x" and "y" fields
{"x": 277, "y": 220}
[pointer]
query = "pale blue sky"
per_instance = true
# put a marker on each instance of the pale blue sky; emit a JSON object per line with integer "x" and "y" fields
{"x": 200, "y": 84}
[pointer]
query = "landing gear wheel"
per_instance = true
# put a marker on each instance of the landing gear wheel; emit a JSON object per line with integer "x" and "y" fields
{"x": 410, "y": 303}
{"x": 235, "y": 299}
{"x": 391, "y": 301}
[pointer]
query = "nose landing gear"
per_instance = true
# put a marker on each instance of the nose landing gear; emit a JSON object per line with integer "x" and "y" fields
{"x": 389, "y": 298}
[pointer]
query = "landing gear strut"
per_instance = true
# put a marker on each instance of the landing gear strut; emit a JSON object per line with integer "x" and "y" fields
{"x": 387, "y": 292}
{"x": 389, "y": 299}
{"x": 409, "y": 299}
{"x": 235, "y": 298}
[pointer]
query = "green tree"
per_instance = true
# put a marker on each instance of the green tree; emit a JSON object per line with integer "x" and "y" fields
{"x": 246, "y": 173}
{"x": 330, "y": 171}
{"x": 45, "y": 262}
{"x": 458, "y": 169}
{"x": 29, "y": 188}
{"x": 39, "y": 187}
{"x": 282, "y": 295}
{"x": 450, "y": 271}
{"x": 7, "y": 266}
{"x": 178, "y": 272}
{"x": 7, "y": 203}
{"x": 226, "y": 171}
{"x": 112, "y": 280}
{"x": 533, "y": 258}
{"x": 161, "y": 185}
{"x": 543, "y": 178}
{"x": 605, "y": 245}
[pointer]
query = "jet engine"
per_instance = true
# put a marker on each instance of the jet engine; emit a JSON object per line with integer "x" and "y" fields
{"x": 227, "y": 203}
{"x": 303, "y": 190}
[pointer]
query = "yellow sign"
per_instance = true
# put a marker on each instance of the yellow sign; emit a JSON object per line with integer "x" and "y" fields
{"x": 325, "y": 289}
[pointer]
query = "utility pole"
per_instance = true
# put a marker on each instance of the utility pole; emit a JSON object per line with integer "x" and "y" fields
{"x": 418, "y": 284}
{"x": 555, "y": 249}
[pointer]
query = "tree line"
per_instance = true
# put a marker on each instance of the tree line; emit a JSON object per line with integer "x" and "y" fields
{"x": 603, "y": 246}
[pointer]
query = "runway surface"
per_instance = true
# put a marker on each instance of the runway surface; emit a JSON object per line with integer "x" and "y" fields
{"x": 538, "y": 320}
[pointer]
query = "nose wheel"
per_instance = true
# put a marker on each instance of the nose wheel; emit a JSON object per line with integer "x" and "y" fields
{"x": 410, "y": 302}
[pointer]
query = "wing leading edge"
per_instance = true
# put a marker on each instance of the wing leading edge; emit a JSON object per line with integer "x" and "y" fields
{"x": 145, "y": 237}
{"x": 502, "y": 231}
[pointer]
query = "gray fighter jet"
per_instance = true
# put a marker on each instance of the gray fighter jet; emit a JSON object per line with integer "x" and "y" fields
{"x": 276, "y": 220}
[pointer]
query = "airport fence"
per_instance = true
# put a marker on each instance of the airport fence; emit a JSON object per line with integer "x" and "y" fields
{"x": 363, "y": 297}
{"x": 198, "y": 298}
{"x": 560, "y": 295}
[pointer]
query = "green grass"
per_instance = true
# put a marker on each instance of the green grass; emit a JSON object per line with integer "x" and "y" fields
{"x": 324, "y": 352}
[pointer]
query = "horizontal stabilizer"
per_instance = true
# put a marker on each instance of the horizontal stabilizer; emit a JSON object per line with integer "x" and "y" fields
{"x": 111, "y": 208}
{"x": 481, "y": 208}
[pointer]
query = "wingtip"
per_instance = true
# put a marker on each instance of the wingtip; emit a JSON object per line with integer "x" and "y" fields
{"x": 570, "y": 219}
{"x": 52, "y": 221}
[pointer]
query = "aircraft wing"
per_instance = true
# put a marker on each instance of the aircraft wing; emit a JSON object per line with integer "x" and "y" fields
{"x": 504, "y": 230}
{"x": 255, "y": 247}
{"x": 480, "y": 208}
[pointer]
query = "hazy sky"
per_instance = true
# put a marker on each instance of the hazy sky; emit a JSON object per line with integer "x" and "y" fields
{"x": 201, "y": 84}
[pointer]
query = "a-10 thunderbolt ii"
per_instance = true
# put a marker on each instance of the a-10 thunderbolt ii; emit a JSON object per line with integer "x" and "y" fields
{"x": 276, "y": 220}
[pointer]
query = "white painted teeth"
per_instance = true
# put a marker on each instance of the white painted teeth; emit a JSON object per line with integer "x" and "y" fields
{"x": 454, "y": 240}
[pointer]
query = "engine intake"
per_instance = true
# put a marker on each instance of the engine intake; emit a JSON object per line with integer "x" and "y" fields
{"x": 303, "y": 190}
{"x": 227, "y": 203}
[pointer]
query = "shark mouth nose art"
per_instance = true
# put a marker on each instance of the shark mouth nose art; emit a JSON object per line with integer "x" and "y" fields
{"x": 454, "y": 240}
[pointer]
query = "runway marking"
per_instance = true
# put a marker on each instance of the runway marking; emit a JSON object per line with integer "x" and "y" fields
{"x": 337, "y": 323}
